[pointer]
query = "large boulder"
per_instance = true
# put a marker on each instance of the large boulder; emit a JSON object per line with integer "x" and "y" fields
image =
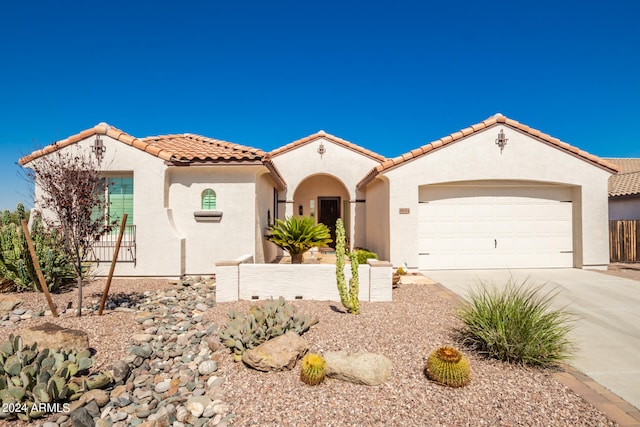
{"x": 358, "y": 368}
{"x": 50, "y": 335}
{"x": 8, "y": 303}
{"x": 277, "y": 354}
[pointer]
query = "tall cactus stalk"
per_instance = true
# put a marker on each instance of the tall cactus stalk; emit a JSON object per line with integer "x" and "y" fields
{"x": 348, "y": 297}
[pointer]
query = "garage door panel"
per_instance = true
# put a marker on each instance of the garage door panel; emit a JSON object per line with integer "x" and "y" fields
{"x": 499, "y": 231}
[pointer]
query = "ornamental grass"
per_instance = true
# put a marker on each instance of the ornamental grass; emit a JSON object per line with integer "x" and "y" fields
{"x": 516, "y": 324}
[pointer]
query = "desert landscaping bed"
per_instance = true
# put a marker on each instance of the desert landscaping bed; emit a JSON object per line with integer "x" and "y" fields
{"x": 404, "y": 330}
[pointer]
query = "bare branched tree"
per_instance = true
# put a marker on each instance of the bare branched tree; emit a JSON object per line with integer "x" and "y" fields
{"x": 71, "y": 189}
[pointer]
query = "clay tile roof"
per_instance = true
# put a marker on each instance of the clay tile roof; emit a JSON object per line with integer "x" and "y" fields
{"x": 195, "y": 148}
{"x": 333, "y": 138}
{"x": 498, "y": 118}
{"x": 176, "y": 148}
{"x": 627, "y": 181}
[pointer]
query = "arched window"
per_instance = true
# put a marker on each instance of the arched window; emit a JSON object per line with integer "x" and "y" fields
{"x": 208, "y": 200}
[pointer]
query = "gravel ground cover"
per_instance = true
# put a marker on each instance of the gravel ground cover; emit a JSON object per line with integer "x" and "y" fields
{"x": 405, "y": 330}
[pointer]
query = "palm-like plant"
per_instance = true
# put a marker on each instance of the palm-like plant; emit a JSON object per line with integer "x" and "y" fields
{"x": 298, "y": 234}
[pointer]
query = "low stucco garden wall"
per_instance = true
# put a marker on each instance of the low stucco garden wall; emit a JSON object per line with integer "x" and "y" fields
{"x": 240, "y": 279}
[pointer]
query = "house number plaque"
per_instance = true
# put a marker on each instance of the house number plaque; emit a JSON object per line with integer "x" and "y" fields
{"x": 405, "y": 211}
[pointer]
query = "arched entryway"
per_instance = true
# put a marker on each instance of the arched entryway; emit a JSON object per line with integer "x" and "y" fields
{"x": 325, "y": 198}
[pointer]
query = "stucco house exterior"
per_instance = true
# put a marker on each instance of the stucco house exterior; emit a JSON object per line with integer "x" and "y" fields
{"x": 497, "y": 194}
{"x": 624, "y": 190}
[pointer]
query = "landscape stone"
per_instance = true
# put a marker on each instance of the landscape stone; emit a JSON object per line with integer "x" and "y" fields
{"x": 197, "y": 404}
{"x": 277, "y": 354}
{"x": 50, "y": 335}
{"x": 359, "y": 368}
{"x": 81, "y": 418}
{"x": 207, "y": 367}
{"x": 120, "y": 371}
{"x": 99, "y": 396}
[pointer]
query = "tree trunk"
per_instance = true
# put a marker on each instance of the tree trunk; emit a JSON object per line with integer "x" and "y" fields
{"x": 79, "y": 295}
{"x": 296, "y": 258}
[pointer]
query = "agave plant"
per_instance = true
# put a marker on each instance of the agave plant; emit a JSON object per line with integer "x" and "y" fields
{"x": 298, "y": 234}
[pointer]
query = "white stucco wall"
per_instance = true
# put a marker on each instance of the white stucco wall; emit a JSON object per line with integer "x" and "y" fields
{"x": 209, "y": 241}
{"x": 477, "y": 157}
{"x": 624, "y": 208}
{"x": 377, "y": 212}
{"x": 158, "y": 246}
{"x": 265, "y": 251}
{"x": 245, "y": 281}
{"x": 346, "y": 165}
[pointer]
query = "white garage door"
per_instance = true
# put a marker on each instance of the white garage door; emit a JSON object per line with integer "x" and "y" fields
{"x": 494, "y": 230}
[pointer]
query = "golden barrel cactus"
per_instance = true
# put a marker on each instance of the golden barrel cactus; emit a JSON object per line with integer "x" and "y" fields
{"x": 448, "y": 366}
{"x": 312, "y": 369}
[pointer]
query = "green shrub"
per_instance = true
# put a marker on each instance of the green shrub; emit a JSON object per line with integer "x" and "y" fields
{"x": 364, "y": 254}
{"x": 517, "y": 324}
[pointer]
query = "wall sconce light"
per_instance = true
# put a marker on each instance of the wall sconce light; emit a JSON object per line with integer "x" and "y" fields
{"x": 501, "y": 141}
{"x": 321, "y": 149}
{"x": 300, "y": 210}
{"x": 98, "y": 149}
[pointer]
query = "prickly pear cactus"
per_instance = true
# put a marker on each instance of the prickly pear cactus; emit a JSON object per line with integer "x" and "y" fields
{"x": 30, "y": 378}
{"x": 261, "y": 323}
{"x": 448, "y": 366}
{"x": 312, "y": 369}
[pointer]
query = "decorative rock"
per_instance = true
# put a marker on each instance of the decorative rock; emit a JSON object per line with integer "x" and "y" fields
{"x": 104, "y": 422}
{"x": 141, "y": 338}
{"x": 143, "y": 350}
{"x": 99, "y": 396}
{"x": 163, "y": 386}
{"x": 358, "y": 368}
{"x": 120, "y": 371}
{"x": 277, "y": 354}
{"x": 81, "y": 418}
{"x": 50, "y": 335}
{"x": 207, "y": 367}
{"x": 93, "y": 409}
{"x": 119, "y": 416}
{"x": 201, "y": 307}
{"x": 197, "y": 404}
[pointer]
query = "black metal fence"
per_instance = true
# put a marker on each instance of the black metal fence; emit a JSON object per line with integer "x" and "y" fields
{"x": 102, "y": 251}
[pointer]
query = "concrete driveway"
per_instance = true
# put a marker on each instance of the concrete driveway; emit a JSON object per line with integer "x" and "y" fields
{"x": 608, "y": 327}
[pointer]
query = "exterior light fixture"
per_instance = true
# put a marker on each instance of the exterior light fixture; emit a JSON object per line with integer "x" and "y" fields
{"x": 321, "y": 149}
{"x": 98, "y": 149}
{"x": 501, "y": 141}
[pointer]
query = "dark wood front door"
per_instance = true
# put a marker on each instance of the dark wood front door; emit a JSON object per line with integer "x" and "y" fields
{"x": 328, "y": 214}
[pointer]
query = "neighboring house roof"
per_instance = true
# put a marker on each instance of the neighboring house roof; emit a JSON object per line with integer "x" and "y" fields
{"x": 490, "y": 122}
{"x": 328, "y": 136}
{"x": 627, "y": 181}
{"x": 179, "y": 149}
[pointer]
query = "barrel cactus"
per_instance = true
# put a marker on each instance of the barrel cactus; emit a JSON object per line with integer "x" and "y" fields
{"x": 312, "y": 369}
{"x": 448, "y": 366}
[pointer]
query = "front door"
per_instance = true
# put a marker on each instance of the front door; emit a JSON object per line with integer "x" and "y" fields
{"x": 328, "y": 214}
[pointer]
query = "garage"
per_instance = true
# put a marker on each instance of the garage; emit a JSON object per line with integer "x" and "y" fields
{"x": 495, "y": 225}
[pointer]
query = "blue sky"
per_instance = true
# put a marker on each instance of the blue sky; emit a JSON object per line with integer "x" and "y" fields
{"x": 390, "y": 76}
